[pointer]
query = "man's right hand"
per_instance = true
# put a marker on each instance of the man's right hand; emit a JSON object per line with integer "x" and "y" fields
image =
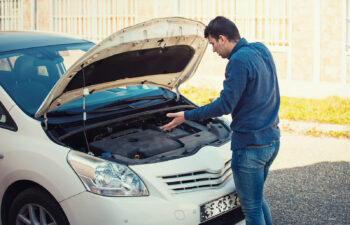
{"x": 179, "y": 118}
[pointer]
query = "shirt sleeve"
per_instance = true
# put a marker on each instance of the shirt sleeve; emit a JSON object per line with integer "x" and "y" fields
{"x": 233, "y": 89}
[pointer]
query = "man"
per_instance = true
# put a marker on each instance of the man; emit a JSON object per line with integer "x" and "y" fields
{"x": 251, "y": 95}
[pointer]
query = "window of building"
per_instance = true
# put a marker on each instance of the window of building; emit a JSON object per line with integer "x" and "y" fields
{"x": 267, "y": 21}
{"x": 93, "y": 19}
{"x": 11, "y": 17}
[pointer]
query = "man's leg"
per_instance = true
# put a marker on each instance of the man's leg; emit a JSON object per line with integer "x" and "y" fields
{"x": 250, "y": 168}
{"x": 265, "y": 207}
{"x": 266, "y": 212}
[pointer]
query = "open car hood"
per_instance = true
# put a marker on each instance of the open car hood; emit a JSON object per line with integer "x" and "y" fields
{"x": 162, "y": 52}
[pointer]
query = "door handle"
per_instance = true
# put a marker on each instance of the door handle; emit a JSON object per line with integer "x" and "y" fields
{"x": 1, "y": 156}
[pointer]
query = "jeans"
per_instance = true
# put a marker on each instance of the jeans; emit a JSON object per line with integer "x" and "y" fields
{"x": 250, "y": 167}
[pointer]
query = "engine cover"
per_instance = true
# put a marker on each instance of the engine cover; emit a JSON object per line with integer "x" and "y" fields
{"x": 137, "y": 143}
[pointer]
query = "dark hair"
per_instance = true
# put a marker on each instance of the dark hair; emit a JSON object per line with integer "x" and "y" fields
{"x": 222, "y": 26}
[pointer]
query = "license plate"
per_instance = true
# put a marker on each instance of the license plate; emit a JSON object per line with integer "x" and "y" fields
{"x": 218, "y": 206}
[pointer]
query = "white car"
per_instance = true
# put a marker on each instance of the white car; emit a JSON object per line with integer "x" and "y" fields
{"x": 81, "y": 138}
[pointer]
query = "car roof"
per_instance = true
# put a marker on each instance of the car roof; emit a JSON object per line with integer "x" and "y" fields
{"x": 14, "y": 40}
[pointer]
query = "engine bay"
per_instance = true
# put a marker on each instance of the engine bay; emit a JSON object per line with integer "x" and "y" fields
{"x": 138, "y": 138}
{"x": 150, "y": 140}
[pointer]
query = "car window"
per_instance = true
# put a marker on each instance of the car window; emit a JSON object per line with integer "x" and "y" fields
{"x": 5, "y": 119}
{"x": 5, "y": 65}
{"x": 28, "y": 75}
{"x": 70, "y": 56}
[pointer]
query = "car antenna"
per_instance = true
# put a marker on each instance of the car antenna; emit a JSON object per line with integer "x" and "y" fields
{"x": 85, "y": 93}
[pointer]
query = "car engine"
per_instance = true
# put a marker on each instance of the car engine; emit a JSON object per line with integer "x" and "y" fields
{"x": 139, "y": 138}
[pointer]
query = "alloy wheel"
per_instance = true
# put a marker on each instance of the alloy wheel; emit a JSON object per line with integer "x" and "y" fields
{"x": 33, "y": 214}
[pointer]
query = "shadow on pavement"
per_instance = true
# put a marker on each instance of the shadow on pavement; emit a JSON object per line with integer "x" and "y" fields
{"x": 317, "y": 194}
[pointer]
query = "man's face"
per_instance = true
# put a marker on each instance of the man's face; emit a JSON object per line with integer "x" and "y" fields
{"x": 220, "y": 45}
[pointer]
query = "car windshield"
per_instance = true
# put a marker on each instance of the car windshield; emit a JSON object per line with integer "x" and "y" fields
{"x": 28, "y": 75}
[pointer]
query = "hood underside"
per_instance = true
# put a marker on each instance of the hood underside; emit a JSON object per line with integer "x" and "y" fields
{"x": 162, "y": 52}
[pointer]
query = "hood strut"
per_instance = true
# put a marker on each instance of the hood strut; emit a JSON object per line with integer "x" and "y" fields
{"x": 85, "y": 93}
{"x": 45, "y": 120}
{"x": 177, "y": 93}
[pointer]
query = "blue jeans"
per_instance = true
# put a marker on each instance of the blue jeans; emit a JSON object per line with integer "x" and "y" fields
{"x": 250, "y": 167}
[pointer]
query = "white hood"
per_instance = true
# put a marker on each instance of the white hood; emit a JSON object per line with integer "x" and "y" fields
{"x": 163, "y": 52}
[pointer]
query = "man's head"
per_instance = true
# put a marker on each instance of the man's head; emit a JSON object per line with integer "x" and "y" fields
{"x": 223, "y": 35}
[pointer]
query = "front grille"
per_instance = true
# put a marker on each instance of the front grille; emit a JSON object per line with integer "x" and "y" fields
{"x": 179, "y": 183}
{"x": 230, "y": 218}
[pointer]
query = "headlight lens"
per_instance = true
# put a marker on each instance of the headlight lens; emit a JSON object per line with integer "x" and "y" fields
{"x": 105, "y": 177}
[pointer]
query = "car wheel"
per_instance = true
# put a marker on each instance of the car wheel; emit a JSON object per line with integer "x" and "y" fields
{"x": 36, "y": 207}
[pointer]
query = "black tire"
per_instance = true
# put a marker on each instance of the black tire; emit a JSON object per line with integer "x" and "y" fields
{"x": 40, "y": 204}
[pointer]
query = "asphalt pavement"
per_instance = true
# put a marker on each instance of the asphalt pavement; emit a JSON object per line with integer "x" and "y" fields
{"x": 309, "y": 182}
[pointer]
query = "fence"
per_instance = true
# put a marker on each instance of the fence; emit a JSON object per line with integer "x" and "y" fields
{"x": 267, "y": 21}
{"x": 93, "y": 19}
{"x": 11, "y": 16}
{"x": 258, "y": 20}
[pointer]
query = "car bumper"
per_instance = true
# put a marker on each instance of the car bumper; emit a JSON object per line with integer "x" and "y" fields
{"x": 91, "y": 209}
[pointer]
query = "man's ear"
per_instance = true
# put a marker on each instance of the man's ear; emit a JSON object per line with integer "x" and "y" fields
{"x": 222, "y": 38}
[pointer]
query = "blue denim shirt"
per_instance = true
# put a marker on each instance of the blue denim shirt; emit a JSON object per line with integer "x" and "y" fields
{"x": 250, "y": 94}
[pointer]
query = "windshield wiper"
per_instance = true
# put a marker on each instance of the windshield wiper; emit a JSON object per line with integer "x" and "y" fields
{"x": 72, "y": 113}
{"x": 134, "y": 104}
{"x": 125, "y": 101}
{"x": 63, "y": 113}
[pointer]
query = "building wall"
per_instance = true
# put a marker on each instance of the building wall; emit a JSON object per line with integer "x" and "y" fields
{"x": 281, "y": 62}
{"x": 332, "y": 40}
{"x": 303, "y": 27}
{"x": 348, "y": 69}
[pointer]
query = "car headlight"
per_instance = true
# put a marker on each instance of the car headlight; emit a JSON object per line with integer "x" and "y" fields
{"x": 105, "y": 177}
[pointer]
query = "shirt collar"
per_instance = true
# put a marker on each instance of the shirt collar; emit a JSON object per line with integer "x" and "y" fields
{"x": 242, "y": 42}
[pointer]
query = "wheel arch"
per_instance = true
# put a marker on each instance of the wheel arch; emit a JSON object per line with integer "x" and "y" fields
{"x": 12, "y": 191}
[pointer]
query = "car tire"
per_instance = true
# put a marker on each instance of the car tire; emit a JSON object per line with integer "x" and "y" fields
{"x": 36, "y": 206}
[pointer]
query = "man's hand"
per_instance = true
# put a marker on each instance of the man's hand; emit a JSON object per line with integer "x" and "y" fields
{"x": 179, "y": 118}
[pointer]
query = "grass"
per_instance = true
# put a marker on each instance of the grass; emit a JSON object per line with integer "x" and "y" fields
{"x": 332, "y": 110}
{"x": 199, "y": 95}
{"x": 319, "y": 133}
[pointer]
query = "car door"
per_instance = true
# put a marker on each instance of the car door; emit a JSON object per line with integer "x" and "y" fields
{"x": 8, "y": 129}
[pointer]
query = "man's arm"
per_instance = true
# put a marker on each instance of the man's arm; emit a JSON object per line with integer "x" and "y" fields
{"x": 234, "y": 87}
